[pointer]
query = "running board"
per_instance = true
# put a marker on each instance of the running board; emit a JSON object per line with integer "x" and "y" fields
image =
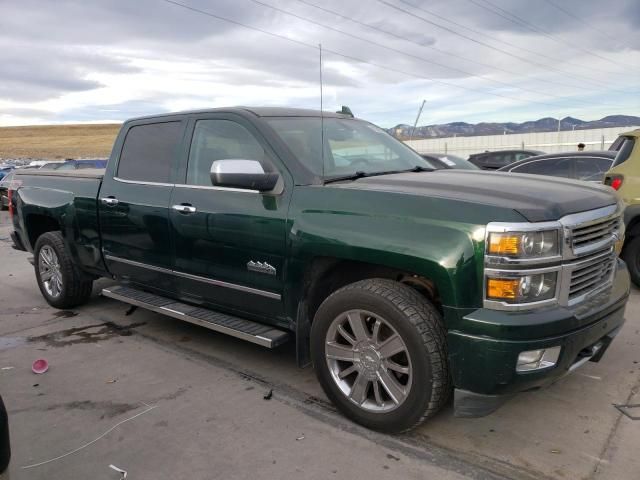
{"x": 236, "y": 327}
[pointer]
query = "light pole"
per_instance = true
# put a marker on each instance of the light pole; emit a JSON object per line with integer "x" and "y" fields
{"x": 417, "y": 118}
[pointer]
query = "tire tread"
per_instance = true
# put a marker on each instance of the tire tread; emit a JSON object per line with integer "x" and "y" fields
{"x": 428, "y": 323}
{"x": 76, "y": 290}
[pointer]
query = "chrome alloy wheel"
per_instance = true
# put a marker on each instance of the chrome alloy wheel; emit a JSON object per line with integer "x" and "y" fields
{"x": 368, "y": 361}
{"x": 49, "y": 269}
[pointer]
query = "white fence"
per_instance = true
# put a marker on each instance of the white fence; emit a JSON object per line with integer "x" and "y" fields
{"x": 549, "y": 142}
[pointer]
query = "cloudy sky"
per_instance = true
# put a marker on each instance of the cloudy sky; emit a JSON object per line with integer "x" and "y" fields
{"x": 68, "y": 61}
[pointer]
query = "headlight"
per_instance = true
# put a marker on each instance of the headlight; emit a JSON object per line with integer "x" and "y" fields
{"x": 522, "y": 288}
{"x": 534, "y": 244}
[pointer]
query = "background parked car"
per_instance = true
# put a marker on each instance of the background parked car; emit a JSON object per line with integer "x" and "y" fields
{"x": 624, "y": 176}
{"x": 501, "y": 158}
{"x": 5, "y": 170}
{"x": 51, "y": 165}
{"x": 589, "y": 166}
{"x": 447, "y": 161}
{"x": 4, "y": 190}
{"x": 85, "y": 163}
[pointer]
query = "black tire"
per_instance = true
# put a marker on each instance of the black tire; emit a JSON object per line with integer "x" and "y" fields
{"x": 75, "y": 289}
{"x": 631, "y": 256}
{"x": 421, "y": 328}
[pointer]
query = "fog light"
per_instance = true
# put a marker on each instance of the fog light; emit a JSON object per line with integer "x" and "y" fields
{"x": 537, "y": 359}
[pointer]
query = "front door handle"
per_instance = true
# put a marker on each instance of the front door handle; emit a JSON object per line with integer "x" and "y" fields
{"x": 109, "y": 201}
{"x": 184, "y": 208}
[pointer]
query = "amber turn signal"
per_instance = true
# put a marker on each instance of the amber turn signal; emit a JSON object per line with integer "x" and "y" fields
{"x": 504, "y": 244}
{"x": 502, "y": 288}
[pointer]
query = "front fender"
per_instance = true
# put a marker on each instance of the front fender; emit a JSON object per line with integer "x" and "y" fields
{"x": 443, "y": 253}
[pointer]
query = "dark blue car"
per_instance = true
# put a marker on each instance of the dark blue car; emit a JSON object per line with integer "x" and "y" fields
{"x": 4, "y": 171}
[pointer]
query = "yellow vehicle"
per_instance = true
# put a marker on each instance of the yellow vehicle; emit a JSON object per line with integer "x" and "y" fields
{"x": 624, "y": 176}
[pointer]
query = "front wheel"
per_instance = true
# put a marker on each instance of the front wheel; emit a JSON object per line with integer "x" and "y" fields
{"x": 379, "y": 351}
{"x": 60, "y": 282}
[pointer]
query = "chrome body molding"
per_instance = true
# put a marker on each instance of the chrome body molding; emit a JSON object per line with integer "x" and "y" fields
{"x": 197, "y": 278}
{"x": 140, "y": 182}
{"x": 224, "y": 189}
{"x": 184, "y": 185}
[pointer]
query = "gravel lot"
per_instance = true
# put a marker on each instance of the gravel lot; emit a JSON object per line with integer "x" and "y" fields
{"x": 198, "y": 397}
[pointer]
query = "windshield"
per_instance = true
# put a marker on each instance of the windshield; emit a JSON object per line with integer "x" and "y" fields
{"x": 350, "y": 146}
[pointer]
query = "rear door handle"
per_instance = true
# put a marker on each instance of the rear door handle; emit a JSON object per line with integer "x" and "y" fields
{"x": 184, "y": 208}
{"x": 109, "y": 201}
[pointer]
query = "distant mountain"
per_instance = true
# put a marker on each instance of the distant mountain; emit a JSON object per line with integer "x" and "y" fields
{"x": 548, "y": 124}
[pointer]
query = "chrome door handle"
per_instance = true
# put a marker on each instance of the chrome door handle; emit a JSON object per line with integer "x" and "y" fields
{"x": 110, "y": 201}
{"x": 184, "y": 208}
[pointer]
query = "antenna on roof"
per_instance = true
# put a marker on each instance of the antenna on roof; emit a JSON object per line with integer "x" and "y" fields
{"x": 321, "y": 114}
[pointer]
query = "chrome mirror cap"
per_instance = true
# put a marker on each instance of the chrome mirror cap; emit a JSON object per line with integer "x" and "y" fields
{"x": 236, "y": 166}
{"x": 242, "y": 174}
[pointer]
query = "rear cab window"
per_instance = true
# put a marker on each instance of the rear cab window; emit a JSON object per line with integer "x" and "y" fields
{"x": 150, "y": 151}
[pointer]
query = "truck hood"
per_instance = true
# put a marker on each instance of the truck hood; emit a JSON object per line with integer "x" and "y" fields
{"x": 535, "y": 197}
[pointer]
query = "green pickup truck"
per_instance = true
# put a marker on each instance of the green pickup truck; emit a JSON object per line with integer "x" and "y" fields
{"x": 401, "y": 284}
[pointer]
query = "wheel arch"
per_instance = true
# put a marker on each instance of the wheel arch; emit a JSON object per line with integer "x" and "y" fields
{"x": 36, "y": 224}
{"x": 325, "y": 275}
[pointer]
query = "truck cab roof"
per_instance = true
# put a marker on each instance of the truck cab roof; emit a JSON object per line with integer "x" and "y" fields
{"x": 255, "y": 111}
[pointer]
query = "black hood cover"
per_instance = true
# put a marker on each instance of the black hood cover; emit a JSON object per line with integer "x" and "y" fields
{"x": 536, "y": 197}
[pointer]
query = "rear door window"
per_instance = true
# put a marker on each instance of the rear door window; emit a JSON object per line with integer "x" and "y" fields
{"x": 521, "y": 156}
{"x": 149, "y": 152}
{"x": 499, "y": 159}
{"x": 556, "y": 167}
{"x": 592, "y": 169}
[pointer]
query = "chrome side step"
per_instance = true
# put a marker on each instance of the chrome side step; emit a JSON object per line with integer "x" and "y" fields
{"x": 237, "y": 327}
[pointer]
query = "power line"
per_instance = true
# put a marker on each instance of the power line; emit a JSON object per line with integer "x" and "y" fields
{"x": 347, "y": 56}
{"x": 581, "y": 20}
{"x": 393, "y": 34}
{"x": 479, "y": 42}
{"x": 478, "y": 32}
{"x": 406, "y": 39}
{"x": 395, "y": 50}
{"x": 530, "y": 26}
{"x": 351, "y": 57}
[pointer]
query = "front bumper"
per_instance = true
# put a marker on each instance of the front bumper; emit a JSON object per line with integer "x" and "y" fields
{"x": 484, "y": 366}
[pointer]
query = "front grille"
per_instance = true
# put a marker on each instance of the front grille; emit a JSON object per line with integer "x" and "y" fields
{"x": 592, "y": 274}
{"x": 593, "y": 233}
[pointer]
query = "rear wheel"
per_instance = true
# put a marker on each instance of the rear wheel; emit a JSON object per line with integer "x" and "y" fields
{"x": 60, "y": 282}
{"x": 379, "y": 351}
{"x": 631, "y": 256}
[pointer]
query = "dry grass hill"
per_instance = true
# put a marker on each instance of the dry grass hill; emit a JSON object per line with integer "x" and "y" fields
{"x": 57, "y": 141}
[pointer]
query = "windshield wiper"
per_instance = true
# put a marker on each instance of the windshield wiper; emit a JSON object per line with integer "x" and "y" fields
{"x": 361, "y": 174}
{"x": 419, "y": 168}
{"x": 354, "y": 176}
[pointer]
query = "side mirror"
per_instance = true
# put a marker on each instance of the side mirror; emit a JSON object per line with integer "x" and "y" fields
{"x": 245, "y": 174}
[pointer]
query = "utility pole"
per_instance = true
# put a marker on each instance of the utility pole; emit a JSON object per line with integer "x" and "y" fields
{"x": 417, "y": 118}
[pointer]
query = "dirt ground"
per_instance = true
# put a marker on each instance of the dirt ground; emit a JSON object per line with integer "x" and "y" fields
{"x": 57, "y": 141}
